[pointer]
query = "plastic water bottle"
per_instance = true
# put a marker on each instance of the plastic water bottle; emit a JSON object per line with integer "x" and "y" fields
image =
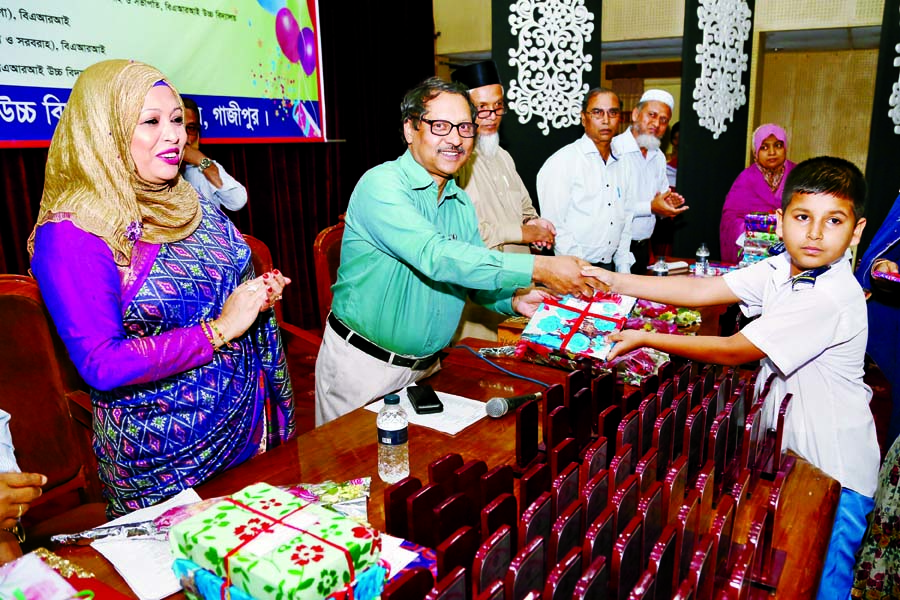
{"x": 702, "y": 264}
{"x": 660, "y": 267}
{"x": 393, "y": 440}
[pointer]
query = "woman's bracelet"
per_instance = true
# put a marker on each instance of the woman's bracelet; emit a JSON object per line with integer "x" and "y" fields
{"x": 215, "y": 328}
{"x": 877, "y": 262}
{"x": 207, "y": 331}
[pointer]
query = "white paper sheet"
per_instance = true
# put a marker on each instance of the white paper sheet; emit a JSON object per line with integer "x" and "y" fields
{"x": 396, "y": 557}
{"x": 145, "y": 565}
{"x": 459, "y": 412}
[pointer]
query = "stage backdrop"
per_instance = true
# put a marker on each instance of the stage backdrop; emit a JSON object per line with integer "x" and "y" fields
{"x": 884, "y": 137}
{"x": 718, "y": 38}
{"x": 252, "y": 65}
{"x": 548, "y": 55}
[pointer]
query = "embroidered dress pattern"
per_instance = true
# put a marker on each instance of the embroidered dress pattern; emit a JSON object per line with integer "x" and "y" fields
{"x": 718, "y": 91}
{"x": 154, "y": 439}
{"x": 550, "y": 60}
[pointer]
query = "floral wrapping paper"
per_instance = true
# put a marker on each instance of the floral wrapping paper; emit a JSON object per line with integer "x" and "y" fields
{"x": 271, "y": 544}
{"x": 575, "y": 329}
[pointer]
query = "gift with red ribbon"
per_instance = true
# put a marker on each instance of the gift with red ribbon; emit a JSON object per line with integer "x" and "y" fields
{"x": 565, "y": 330}
{"x": 271, "y": 544}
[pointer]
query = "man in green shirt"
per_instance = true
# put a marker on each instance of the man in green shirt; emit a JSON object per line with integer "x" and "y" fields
{"x": 411, "y": 253}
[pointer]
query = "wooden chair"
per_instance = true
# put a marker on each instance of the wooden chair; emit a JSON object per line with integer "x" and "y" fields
{"x": 537, "y": 520}
{"x": 451, "y": 587}
{"x": 502, "y": 510}
{"x": 458, "y": 550}
{"x": 600, "y": 536}
{"x": 526, "y": 571}
{"x": 441, "y": 471}
{"x": 492, "y": 560}
{"x": 567, "y": 533}
{"x": 395, "y": 520}
{"x": 627, "y": 560}
{"x": 301, "y": 347}
{"x": 411, "y": 584}
{"x": 41, "y": 390}
{"x": 327, "y": 259}
{"x": 594, "y": 584}
{"x": 564, "y": 576}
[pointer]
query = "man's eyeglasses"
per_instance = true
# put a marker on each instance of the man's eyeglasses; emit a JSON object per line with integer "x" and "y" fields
{"x": 442, "y": 128}
{"x": 598, "y": 113}
{"x": 192, "y": 128}
{"x": 484, "y": 113}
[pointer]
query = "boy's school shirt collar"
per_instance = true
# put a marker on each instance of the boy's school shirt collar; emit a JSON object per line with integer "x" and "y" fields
{"x": 804, "y": 280}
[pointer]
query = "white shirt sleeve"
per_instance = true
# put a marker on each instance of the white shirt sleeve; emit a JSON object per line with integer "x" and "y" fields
{"x": 553, "y": 195}
{"x": 232, "y": 195}
{"x": 749, "y": 284}
{"x": 7, "y": 450}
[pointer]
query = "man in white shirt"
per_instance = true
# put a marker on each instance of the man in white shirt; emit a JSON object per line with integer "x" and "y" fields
{"x": 639, "y": 147}
{"x": 207, "y": 176}
{"x": 507, "y": 220}
{"x": 587, "y": 192}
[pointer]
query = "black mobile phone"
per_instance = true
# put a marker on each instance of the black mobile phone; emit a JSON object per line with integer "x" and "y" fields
{"x": 424, "y": 400}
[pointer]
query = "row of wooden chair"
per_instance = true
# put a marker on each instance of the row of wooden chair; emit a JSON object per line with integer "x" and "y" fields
{"x": 656, "y": 514}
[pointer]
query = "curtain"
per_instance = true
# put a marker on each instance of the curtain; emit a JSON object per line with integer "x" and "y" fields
{"x": 372, "y": 52}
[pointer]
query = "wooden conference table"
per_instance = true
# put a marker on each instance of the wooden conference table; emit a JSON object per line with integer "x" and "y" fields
{"x": 346, "y": 448}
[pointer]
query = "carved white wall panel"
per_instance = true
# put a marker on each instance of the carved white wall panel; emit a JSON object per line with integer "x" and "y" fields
{"x": 550, "y": 61}
{"x": 718, "y": 91}
{"x": 894, "y": 100}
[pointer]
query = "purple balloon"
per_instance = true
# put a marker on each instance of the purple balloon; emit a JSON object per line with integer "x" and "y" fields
{"x": 287, "y": 33}
{"x": 306, "y": 47}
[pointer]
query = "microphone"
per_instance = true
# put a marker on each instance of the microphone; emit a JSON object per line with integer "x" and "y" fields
{"x": 497, "y": 407}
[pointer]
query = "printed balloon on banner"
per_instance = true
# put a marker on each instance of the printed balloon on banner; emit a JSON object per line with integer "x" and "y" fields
{"x": 272, "y": 6}
{"x": 306, "y": 47}
{"x": 287, "y": 32}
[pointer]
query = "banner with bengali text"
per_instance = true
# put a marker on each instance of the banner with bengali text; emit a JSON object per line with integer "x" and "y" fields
{"x": 253, "y": 66}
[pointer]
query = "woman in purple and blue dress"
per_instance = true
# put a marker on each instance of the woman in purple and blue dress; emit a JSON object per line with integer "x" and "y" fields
{"x": 153, "y": 292}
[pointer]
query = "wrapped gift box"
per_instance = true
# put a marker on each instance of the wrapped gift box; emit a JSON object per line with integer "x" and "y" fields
{"x": 760, "y": 221}
{"x": 573, "y": 329}
{"x": 271, "y": 544}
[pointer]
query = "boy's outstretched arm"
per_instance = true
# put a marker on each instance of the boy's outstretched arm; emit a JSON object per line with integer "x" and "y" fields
{"x": 729, "y": 351}
{"x": 680, "y": 291}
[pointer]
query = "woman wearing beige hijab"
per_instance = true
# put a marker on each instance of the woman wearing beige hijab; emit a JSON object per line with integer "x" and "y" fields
{"x": 153, "y": 292}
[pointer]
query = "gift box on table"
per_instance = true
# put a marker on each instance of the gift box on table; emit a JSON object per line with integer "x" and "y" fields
{"x": 271, "y": 544}
{"x": 563, "y": 331}
{"x": 760, "y": 221}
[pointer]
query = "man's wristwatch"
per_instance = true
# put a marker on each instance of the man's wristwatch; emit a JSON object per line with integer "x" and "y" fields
{"x": 205, "y": 163}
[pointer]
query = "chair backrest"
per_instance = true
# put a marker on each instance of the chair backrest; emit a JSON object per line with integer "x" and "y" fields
{"x": 327, "y": 258}
{"x": 35, "y": 377}
{"x": 262, "y": 263}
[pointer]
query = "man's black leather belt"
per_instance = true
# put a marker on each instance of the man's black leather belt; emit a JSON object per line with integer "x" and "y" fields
{"x": 643, "y": 242}
{"x": 376, "y": 351}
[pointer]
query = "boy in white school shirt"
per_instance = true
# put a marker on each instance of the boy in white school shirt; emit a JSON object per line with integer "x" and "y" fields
{"x": 811, "y": 333}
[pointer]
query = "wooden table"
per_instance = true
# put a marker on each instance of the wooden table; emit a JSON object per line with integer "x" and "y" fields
{"x": 346, "y": 448}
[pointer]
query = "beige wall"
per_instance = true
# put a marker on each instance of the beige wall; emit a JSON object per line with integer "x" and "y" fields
{"x": 824, "y": 98}
{"x": 464, "y": 26}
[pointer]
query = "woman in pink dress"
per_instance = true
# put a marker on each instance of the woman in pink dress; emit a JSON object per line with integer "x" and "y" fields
{"x": 757, "y": 189}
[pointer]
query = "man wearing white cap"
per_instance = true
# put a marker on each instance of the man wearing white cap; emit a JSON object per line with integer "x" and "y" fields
{"x": 507, "y": 220}
{"x": 640, "y": 146}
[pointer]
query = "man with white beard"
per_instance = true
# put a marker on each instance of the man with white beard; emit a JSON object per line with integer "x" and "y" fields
{"x": 639, "y": 145}
{"x": 507, "y": 220}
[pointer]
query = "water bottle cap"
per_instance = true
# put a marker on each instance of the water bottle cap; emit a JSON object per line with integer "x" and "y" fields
{"x": 392, "y": 399}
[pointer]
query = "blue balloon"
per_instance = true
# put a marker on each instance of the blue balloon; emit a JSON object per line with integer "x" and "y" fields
{"x": 272, "y": 6}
